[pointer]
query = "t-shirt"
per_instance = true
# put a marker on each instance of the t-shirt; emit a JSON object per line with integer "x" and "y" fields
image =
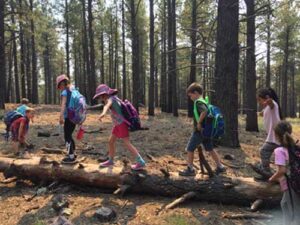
{"x": 271, "y": 118}
{"x": 282, "y": 159}
{"x": 64, "y": 93}
{"x": 22, "y": 109}
{"x": 116, "y": 111}
{"x": 16, "y": 126}
{"x": 201, "y": 107}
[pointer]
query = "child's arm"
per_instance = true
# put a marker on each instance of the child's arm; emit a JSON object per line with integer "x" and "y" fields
{"x": 105, "y": 109}
{"x": 21, "y": 137}
{"x": 62, "y": 109}
{"x": 279, "y": 173}
{"x": 202, "y": 117}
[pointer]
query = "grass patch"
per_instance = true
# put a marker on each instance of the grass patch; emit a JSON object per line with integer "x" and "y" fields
{"x": 178, "y": 220}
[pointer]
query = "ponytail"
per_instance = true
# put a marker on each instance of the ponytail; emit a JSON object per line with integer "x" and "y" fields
{"x": 288, "y": 140}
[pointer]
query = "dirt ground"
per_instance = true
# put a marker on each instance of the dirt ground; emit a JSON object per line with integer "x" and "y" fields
{"x": 165, "y": 139}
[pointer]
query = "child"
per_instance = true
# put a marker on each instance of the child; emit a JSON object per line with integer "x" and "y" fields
{"x": 64, "y": 85}
{"x": 19, "y": 129}
{"x": 22, "y": 108}
{"x": 271, "y": 113}
{"x": 290, "y": 203}
{"x": 195, "y": 92}
{"x": 120, "y": 129}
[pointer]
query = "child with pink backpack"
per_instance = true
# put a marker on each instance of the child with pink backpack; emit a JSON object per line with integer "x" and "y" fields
{"x": 121, "y": 125}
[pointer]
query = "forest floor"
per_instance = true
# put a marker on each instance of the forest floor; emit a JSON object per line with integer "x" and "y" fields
{"x": 165, "y": 140}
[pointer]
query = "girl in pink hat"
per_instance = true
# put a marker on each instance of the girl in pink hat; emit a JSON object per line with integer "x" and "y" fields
{"x": 120, "y": 129}
{"x": 64, "y": 85}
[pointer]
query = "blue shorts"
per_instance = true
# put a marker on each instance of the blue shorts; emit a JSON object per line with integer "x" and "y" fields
{"x": 197, "y": 139}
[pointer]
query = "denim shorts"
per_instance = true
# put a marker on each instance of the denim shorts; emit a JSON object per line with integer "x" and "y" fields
{"x": 197, "y": 139}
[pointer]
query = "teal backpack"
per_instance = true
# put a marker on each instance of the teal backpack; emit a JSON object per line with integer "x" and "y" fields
{"x": 76, "y": 106}
{"x": 214, "y": 121}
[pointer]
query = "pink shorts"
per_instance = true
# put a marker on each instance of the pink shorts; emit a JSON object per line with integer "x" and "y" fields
{"x": 121, "y": 130}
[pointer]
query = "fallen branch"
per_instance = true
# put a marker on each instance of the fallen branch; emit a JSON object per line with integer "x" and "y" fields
{"x": 52, "y": 150}
{"x": 180, "y": 200}
{"x": 122, "y": 189}
{"x": 204, "y": 163}
{"x": 247, "y": 216}
{"x": 255, "y": 205}
{"x": 232, "y": 166}
{"x": 9, "y": 180}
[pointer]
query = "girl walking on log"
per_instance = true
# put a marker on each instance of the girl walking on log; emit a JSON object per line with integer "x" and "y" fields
{"x": 120, "y": 128}
{"x": 271, "y": 113}
{"x": 287, "y": 160}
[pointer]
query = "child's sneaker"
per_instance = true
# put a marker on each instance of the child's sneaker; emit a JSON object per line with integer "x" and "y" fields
{"x": 138, "y": 166}
{"x": 187, "y": 172}
{"x": 220, "y": 170}
{"x": 68, "y": 159}
{"x": 107, "y": 163}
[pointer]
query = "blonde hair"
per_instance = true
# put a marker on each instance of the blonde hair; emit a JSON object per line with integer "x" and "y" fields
{"x": 28, "y": 109}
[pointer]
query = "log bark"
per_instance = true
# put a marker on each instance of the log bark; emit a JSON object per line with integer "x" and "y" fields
{"x": 240, "y": 191}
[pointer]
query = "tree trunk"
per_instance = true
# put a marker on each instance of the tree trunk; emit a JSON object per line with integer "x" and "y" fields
{"x": 285, "y": 71}
{"x": 170, "y": 55}
{"x": 102, "y": 75}
{"x": 226, "y": 68}
{"x": 10, "y": 95}
{"x": 2, "y": 57}
{"x": 135, "y": 55}
{"x": 240, "y": 191}
{"x": 15, "y": 54}
{"x": 124, "y": 76}
{"x": 92, "y": 78}
{"x": 163, "y": 71}
{"x": 35, "y": 82}
{"x": 193, "y": 53}
{"x": 86, "y": 56}
{"x": 67, "y": 37}
{"x": 251, "y": 119}
{"x": 268, "y": 69}
{"x": 174, "y": 62}
{"x": 151, "y": 106}
{"x": 28, "y": 69}
{"x": 22, "y": 53}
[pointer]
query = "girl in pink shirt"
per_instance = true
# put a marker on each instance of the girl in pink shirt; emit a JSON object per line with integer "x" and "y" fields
{"x": 290, "y": 203}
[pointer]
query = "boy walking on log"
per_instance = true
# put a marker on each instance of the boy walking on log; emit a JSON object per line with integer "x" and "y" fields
{"x": 194, "y": 92}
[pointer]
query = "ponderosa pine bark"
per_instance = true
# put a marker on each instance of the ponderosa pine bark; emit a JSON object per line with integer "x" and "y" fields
{"x": 2, "y": 56}
{"x": 124, "y": 75}
{"x": 151, "y": 84}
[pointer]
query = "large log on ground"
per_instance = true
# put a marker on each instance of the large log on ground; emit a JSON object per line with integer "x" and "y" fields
{"x": 242, "y": 191}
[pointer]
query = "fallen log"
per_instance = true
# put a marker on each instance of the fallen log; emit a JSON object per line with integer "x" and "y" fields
{"x": 247, "y": 216}
{"x": 220, "y": 189}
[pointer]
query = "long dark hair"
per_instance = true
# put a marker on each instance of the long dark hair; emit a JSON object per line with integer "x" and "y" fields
{"x": 283, "y": 131}
{"x": 269, "y": 92}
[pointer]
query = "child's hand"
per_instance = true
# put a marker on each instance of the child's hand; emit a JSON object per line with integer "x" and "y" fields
{"x": 61, "y": 120}
{"x": 199, "y": 127}
{"x": 101, "y": 117}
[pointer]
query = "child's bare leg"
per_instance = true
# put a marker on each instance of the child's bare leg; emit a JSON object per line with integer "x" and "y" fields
{"x": 215, "y": 156}
{"x": 15, "y": 146}
{"x": 133, "y": 151}
{"x": 112, "y": 146}
{"x": 190, "y": 159}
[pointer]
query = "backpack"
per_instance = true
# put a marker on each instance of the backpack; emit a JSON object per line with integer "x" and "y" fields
{"x": 9, "y": 118}
{"x": 131, "y": 115}
{"x": 214, "y": 121}
{"x": 294, "y": 163}
{"x": 76, "y": 106}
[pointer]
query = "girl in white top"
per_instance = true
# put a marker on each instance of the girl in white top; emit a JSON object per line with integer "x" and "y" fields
{"x": 271, "y": 113}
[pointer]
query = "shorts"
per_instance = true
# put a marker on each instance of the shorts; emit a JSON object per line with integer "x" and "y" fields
{"x": 121, "y": 130}
{"x": 197, "y": 139}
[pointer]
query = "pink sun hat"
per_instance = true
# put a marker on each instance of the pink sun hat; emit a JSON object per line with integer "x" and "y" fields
{"x": 103, "y": 89}
{"x": 61, "y": 78}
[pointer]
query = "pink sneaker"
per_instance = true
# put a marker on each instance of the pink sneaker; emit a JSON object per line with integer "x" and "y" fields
{"x": 138, "y": 166}
{"x": 107, "y": 163}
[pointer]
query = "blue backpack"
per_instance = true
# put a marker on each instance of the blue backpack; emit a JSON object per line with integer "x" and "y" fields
{"x": 76, "y": 106}
{"x": 214, "y": 125}
{"x": 9, "y": 118}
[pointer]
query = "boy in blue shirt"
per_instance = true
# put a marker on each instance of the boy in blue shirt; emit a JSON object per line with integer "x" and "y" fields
{"x": 22, "y": 108}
